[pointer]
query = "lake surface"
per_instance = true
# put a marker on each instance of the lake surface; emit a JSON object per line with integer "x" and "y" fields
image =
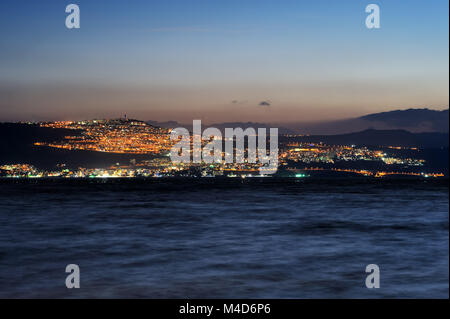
{"x": 212, "y": 238}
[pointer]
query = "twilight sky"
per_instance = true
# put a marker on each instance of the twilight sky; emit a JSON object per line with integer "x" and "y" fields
{"x": 221, "y": 60}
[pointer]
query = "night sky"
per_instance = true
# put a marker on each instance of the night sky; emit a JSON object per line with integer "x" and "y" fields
{"x": 221, "y": 60}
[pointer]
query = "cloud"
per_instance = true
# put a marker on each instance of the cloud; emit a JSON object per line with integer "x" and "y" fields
{"x": 264, "y": 103}
{"x": 239, "y": 102}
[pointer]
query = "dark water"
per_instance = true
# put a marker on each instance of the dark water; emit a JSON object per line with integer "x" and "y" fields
{"x": 231, "y": 239}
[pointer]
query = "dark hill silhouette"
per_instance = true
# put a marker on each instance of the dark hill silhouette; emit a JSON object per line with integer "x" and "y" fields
{"x": 373, "y": 137}
{"x": 425, "y": 119}
{"x": 15, "y": 135}
{"x": 413, "y": 120}
{"x": 16, "y": 146}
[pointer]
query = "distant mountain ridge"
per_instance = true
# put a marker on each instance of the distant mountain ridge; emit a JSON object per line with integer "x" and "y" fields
{"x": 412, "y": 120}
{"x": 418, "y": 119}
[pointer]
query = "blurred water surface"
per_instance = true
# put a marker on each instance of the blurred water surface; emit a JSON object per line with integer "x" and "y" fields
{"x": 210, "y": 238}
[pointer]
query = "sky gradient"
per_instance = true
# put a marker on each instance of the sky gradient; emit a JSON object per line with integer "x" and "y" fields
{"x": 218, "y": 60}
